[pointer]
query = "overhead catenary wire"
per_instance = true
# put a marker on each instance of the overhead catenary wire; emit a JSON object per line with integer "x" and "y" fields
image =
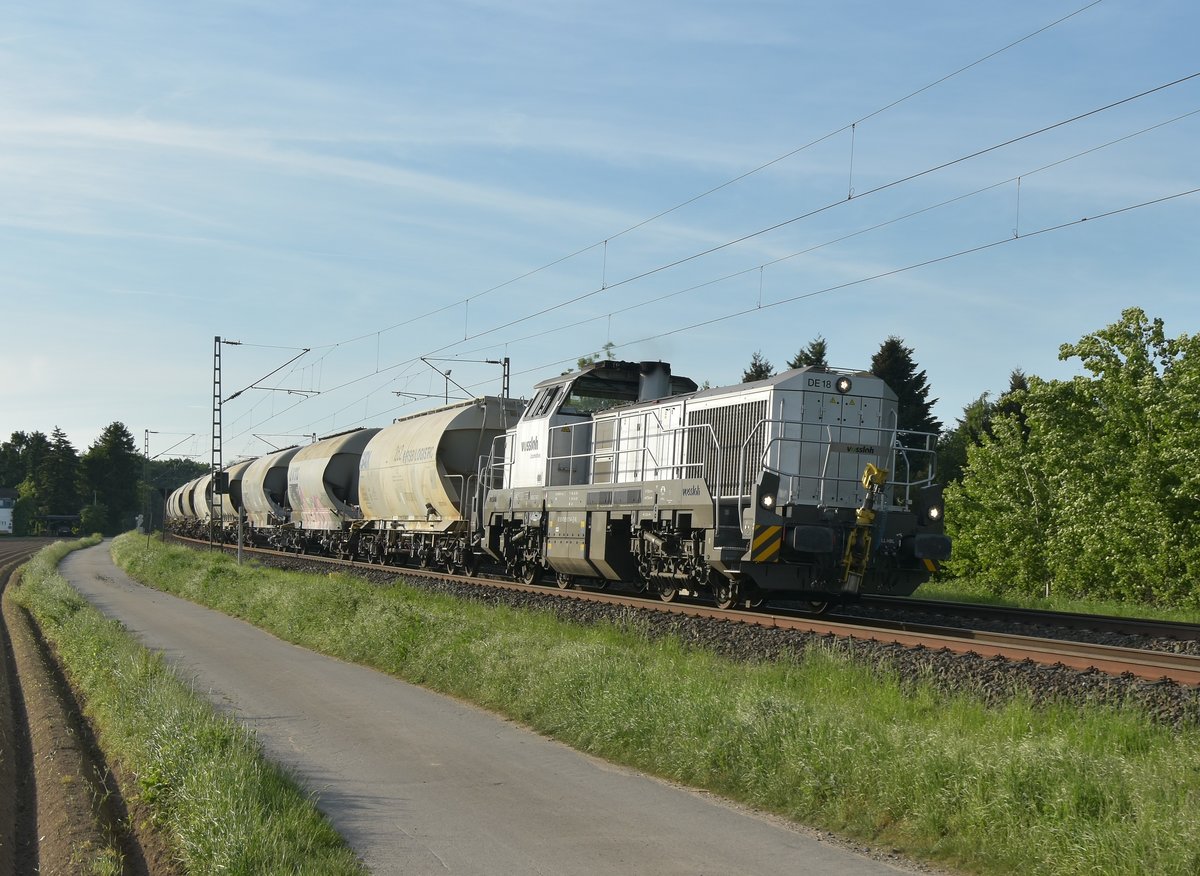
{"x": 884, "y": 274}
{"x": 607, "y": 286}
{"x": 840, "y": 239}
{"x": 724, "y": 185}
{"x": 862, "y": 280}
{"x": 823, "y": 209}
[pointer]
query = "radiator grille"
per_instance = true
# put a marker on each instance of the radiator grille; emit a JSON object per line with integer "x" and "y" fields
{"x": 731, "y": 425}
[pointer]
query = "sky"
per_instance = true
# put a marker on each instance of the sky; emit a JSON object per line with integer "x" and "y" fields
{"x": 347, "y": 189}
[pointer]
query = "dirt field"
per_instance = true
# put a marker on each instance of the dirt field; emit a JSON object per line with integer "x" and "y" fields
{"x": 68, "y": 810}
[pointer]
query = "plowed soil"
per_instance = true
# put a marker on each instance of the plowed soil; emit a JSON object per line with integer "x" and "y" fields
{"x": 68, "y": 806}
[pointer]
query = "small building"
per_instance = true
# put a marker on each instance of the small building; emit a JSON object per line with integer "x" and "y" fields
{"x": 8, "y": 501}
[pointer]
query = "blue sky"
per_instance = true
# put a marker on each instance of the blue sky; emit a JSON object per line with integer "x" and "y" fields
{"x": 378, "y": 182}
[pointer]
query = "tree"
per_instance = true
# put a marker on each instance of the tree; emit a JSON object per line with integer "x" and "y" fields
{"x": 593, "y": 358}
{"x": 976, "y": 423}
{"x": 59, "y": 471}
{"x": 167, "y": 474}
{"x": 813, "y": 355}
{"x": 24, "y": 458}
{"x": 760, "y": 368}
{"x": 14, "y": 466}
{"x": 895, "y": 366}
{"x": 1089, "y": 487}
{"x": 109, "y": 471}
{"x": 969, "y": 431}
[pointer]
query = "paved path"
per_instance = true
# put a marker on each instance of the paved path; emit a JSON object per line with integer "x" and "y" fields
{"x": 419, "y": 783}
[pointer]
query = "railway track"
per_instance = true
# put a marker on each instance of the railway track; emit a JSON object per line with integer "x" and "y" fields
{"x": 1125, "y": 626}
{"x": 1150, "y": 665}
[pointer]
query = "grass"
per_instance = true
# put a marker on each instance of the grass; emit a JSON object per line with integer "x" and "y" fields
{"x": 963, "y": 590}
{"x": 1027, "y": 789}
{"x": 223, "y": 807}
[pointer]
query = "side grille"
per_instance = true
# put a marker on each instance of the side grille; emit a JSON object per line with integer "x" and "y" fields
{"x": 731, "y": 425}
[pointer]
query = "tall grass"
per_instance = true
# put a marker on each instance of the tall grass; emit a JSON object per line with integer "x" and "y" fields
{"x": 1020, "y": 788}
{"x": 222, "y": 806}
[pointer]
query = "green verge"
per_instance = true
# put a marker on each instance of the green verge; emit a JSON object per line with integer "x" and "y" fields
{"x": 820, "y": 740}
{"x": 203, "y": 777}
{"x": 968, "y": 590}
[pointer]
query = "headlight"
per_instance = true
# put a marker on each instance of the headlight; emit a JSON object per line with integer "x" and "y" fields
{"x": 932, "y": 514}
{"x": 844, "y": 385}
{"x": 767, "y": 501}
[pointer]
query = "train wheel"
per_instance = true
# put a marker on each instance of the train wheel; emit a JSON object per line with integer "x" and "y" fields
{"x": 470, "y": 566}
{"x": 668, "y": 592}
{"x": 529, "y": 573}
{"x": 725, "y": 592}
{"x": 818, "y": 607}
{"x": 565, "y": 582}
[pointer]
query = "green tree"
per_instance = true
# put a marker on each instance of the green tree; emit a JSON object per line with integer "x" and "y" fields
{"x": 760, "y": 368}
{"x": 969, "y": 431}
{"x": 605, "y": 352}
{"x": 93, "y": 518}
{"x": 109, "y": 471}
{"x": 167, "y": 474}
{"x": 1090, "y": 487}
{"x": 895, "y": 366}
{"x": 24, "y": 510}
{"x": 815, "y": 355}
{"x": 58, "y": 475}
{"x": 14, "y": 466}
{"x": 976, "y": 422}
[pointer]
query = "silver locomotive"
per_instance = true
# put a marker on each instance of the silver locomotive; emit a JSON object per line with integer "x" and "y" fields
{"x": 797, "y": 486}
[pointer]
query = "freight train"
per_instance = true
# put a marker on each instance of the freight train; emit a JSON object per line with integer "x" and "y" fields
{"x": 800, "y": 487}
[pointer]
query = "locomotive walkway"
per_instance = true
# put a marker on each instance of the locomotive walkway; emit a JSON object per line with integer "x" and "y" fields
{"x": 419, "y": 783}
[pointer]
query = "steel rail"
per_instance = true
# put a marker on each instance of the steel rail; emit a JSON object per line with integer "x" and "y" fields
{"x": 1040, "y": 617}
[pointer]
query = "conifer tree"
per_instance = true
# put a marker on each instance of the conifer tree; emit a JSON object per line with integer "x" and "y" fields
{"x": 59, "y": 472}
{"x": 895, "y": 366}
{"x": 110, "y": 471}
{"x": 760, "y": 368}
{"x": 812, "y": 355}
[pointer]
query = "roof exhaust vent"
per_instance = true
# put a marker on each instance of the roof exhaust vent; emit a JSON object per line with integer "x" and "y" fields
{"x": 654, "y": 380}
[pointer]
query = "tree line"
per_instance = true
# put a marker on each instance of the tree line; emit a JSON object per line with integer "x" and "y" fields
{"x": 1088, "y": 487}
{"x": 103, "y": 487}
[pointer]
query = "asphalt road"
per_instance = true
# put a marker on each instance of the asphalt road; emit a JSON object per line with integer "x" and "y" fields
{"x": 419, "y": 783}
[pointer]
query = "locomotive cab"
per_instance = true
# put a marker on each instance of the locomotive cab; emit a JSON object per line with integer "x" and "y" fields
{"x": 552, "y": 444}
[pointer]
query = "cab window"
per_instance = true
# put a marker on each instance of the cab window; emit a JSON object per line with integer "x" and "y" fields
{"x": 543, "y": 403}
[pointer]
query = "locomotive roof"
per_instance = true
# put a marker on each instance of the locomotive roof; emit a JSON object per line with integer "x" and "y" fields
{"x": 775, "y": 380}
{"x": 623, "y": 376}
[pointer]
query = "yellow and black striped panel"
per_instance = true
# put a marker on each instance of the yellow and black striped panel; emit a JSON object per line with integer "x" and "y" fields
{"x": 767, "y": 542}
{"x": 930, "y": 565}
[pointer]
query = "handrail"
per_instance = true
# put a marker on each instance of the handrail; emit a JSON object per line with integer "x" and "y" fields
{"x": 911, "y": 462}
{"x": 888, "y": 450}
